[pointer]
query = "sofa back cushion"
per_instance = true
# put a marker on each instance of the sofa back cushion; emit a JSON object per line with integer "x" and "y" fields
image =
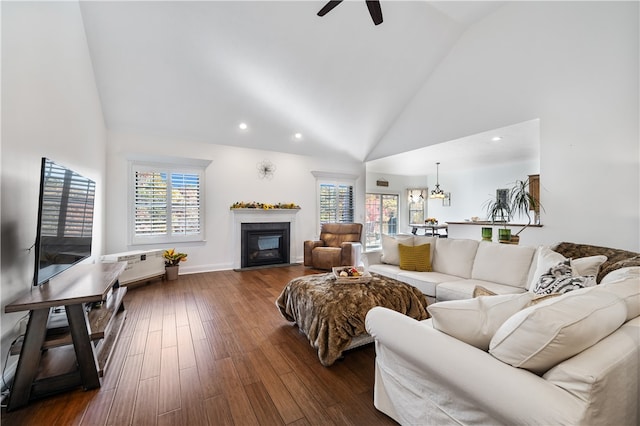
{"x": 334, "y": 234}
{"x": 627, "y": 289}
{"x": 390, "y": 252}
{"x": 454, "y": 256}
{"x": 503, "y": 263}
{"x": 475, "y": 321}
{"x": 541, "y": 336}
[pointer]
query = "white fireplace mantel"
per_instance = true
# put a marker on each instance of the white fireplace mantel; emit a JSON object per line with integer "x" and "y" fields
{"x": 241, "y": 216}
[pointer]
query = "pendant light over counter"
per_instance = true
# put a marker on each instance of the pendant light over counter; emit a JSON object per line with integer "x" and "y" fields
{"x": 437, "y": 192}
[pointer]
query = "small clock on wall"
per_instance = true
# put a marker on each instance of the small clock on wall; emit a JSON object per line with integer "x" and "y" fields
{"x": 266, "y": 169}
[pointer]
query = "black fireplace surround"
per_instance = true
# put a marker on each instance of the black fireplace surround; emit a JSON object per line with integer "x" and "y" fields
{"x": 264, "y": 244}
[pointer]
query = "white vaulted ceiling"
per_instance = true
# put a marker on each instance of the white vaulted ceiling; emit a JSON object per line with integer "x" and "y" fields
{"x": 195, "y": 70}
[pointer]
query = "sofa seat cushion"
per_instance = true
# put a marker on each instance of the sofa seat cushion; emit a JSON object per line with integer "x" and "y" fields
{"x": 463, "y": 289}
{"x": 503, "y": 263}
{"x": 326, "y": 257}
{"x": 475, "y": 321}
{"x": 390, "y": 271}
{"x": 454, "y": 256}
{"x": 425, "y": 281}
{"x": 543, "y": 335}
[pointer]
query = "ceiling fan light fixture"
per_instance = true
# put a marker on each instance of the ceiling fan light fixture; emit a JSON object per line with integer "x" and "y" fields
{"x": 373, "y": 5}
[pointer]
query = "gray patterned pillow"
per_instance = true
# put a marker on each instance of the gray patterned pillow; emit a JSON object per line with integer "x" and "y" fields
{"x": 559, "y": 279}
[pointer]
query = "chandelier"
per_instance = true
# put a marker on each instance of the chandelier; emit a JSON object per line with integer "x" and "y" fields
{"x": 437, "y": 192}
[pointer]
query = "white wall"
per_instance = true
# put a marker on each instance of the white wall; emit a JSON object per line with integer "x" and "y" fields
{"x": 469, "y": 189}
{"x": 50, "y": 108}
{"x": 232, "y": 176}
{"x": 573, "y": 65}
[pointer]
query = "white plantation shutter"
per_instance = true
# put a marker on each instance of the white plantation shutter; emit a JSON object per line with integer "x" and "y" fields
{"x": 167, "y": 204}
{"x": 336, "y": 202}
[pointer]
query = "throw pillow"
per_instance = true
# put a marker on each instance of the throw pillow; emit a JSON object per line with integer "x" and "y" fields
{"x": 541, "y": 336}
{"x": 546, "y": 258}
{"x": 481, "y": 291}
{"x": 589, "y": 265}
{"x": 559, "y": 279}
{"x": 415, "y": 258}
{"x": 390, "y": 253}
{"x": 474, "y": 321}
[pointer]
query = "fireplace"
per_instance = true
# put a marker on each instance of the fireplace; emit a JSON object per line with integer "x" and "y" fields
{"x": 264, "y": 244}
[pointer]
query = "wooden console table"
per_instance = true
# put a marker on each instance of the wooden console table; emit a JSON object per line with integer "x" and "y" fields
{"x": 92, "y": 299}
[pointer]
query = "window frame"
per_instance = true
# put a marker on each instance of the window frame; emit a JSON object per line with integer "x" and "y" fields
{"x": 381, "y": 196}
{"x": 334, "y": 179}
{"x": 184, "y": 166}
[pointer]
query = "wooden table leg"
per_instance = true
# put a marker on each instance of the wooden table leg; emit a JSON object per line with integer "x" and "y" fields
{"x": 86, "y": 357}
{"x": 29, "y": 359}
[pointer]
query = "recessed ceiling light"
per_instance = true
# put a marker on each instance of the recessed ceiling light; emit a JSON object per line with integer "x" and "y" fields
{"x": 297, "y": 136}
{"x": 496, "y": 138}
{"x": 243, "y": 126}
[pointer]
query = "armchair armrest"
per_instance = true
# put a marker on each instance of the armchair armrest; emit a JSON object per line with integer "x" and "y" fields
{"x": 309, "y": 245}
{"x": 351, "y": 254}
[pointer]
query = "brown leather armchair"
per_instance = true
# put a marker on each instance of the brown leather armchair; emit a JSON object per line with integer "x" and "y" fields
{"x": 335, "y": 247}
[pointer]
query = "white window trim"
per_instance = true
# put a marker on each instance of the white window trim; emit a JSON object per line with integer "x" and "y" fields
{"x": 336, "y": 179}
{"x": 170, "y": 165}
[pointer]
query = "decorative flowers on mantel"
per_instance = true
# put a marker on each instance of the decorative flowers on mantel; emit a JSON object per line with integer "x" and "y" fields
{"x": 263, "y": 206}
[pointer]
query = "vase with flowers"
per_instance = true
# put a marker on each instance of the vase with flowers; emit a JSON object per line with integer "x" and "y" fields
{"x": 172, "y": 261}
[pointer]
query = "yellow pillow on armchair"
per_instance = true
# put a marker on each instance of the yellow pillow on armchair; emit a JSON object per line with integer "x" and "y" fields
{"x": 415, "y": 258}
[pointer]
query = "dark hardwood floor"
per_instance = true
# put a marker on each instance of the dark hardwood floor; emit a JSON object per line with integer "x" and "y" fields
{"x": 212, "y": 349}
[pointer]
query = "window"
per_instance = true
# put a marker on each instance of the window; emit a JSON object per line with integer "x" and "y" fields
{"x": 336, "y": 202}
{"x": 417, "y": 205}
{"x": 167, "y": 203}
{"x": 382, "y": 218}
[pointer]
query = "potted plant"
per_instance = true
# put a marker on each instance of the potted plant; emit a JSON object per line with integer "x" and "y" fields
{"x": 499, "y": 211}
{"x": 521, "y": 202}
{"x": 172, "y": 261}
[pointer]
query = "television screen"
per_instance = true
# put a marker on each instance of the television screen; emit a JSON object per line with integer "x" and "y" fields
{"x": 65, "y": 220}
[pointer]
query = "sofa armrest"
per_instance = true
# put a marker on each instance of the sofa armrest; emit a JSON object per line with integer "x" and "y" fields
{"x": 309, "y": 245}
{"x": 423, "y": 367}
{"x": 374, "y": 257}
{"x": 351, "y": 252}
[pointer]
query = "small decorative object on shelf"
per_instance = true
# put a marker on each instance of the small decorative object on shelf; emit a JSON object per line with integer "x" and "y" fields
{"x": 263, "y": 206}
{"x": 172, "y": 261}
{"x": 487, "y": 234}
{"x": 431, "y": 221}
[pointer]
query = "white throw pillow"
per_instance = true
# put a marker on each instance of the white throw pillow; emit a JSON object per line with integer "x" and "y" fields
{"x": 588, "y": 265}
{"x": 390, "y": 252}
{"x": 546, "y": 258}
{"x": 543, "y": 335}
{"x": 474, "y": 321}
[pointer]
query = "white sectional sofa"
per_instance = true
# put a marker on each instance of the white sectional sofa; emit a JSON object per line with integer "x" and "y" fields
{"x": 459, "y": 266}
{"x": 509, "y": 358}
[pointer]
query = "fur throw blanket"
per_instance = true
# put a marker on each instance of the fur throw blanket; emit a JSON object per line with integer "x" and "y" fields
{"x": 331, "y": 314}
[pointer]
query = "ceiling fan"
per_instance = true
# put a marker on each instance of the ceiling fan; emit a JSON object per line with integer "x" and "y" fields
{"x": 373, "y": 5}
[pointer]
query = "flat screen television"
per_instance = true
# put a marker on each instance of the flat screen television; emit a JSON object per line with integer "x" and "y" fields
{"x": 65, "y": 220}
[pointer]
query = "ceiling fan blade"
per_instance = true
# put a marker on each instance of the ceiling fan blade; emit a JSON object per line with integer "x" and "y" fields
{"x": 375, "y": 11}
{"x": 327, "y": 7}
